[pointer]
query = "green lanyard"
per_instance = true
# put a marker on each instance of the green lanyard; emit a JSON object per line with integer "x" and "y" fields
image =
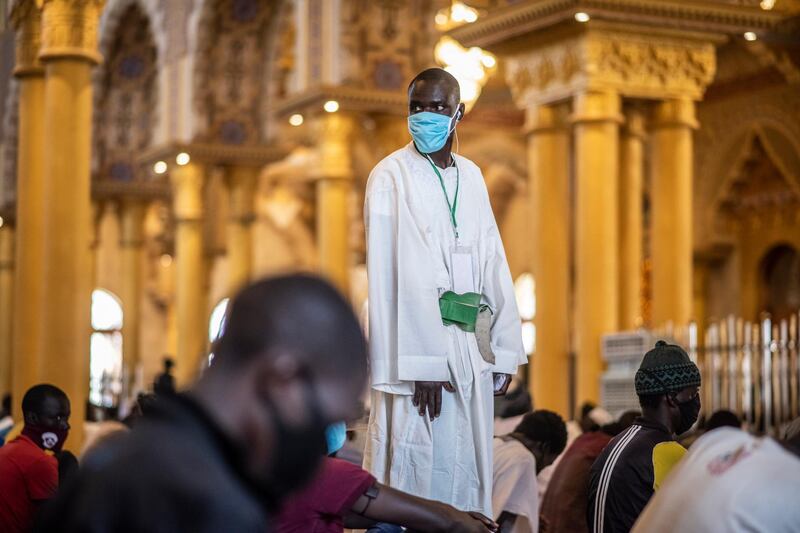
{"x": 451, "y": 207}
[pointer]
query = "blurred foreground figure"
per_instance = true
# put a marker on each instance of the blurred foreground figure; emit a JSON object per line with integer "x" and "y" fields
{"x": 635, "y": 463}
{"x": 28, "y": 475}
{"x": 518, "y": 458}
{"x": 292, "y": 360}
{"x": 729, "y": 481}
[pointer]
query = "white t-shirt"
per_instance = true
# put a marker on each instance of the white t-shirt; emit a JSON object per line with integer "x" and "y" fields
{"x": 728, "y": 481}
{"x": 514, "y": 487}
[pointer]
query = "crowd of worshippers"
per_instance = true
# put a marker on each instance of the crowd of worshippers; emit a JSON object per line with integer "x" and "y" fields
{"x": 260, "y": 443}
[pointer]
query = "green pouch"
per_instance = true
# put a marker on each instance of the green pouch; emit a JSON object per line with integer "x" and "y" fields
{"x": 460, "y": 309}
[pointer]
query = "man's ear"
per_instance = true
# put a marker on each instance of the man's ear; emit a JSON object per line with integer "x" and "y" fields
{"x": 671, "y": 400}
{"x": 460, "y": 112}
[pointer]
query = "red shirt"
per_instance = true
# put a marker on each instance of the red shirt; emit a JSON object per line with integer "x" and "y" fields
{"x": 27, "y": 477}
{"x": 563, "y": 508}
{"x": 321, "y": 506}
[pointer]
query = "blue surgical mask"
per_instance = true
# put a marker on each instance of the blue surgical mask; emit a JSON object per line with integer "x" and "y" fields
{"x": 431, "y": 130}
{"x": 335, "y": 435}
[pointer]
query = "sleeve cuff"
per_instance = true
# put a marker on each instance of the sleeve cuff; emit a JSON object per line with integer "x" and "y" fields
{"x": 507, "y": 362}
{"x": 423, "y": 368}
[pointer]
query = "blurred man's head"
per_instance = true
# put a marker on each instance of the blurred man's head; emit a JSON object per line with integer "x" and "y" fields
{"x": 544, "y": 433}
{"x": 625, "y": 421}
{"x": 292, "y": 360}
{"x": 723, "y": 418}
{"x": 668, "y": 386}
{"x": 46, "y": 410}
{"x": 169, "y": 364}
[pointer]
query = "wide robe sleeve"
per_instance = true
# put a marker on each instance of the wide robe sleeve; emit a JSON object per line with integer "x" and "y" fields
{"x": 407, "y": 338}
{"x": 498, "y": 293}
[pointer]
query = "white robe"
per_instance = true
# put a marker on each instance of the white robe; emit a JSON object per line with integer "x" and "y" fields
{"x": 409, "y": 242}
{"x": 515, "y": 487}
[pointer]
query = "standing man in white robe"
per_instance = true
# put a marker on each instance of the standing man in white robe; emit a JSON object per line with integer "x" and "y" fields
{"x": 431, "y": 233}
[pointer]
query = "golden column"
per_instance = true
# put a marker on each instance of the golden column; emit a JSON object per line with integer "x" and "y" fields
{"x": 190, "y": 301}
{"x": 28, "y": 286}
{"x": 334, "y": 185}
{"x": 671, "y": 170}
{"x": 241, "y": 181}
{"x": 596, "y": 119}
{"x": 131, "y": 221}
{"x": 6, "y": 302}
{"x": 631, "y": 178}
{"x": 548, "y": 157}
{"x": 68, "y": 53}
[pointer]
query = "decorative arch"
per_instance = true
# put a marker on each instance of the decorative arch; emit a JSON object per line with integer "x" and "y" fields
{"x": 759, "y": 170}
{"x": 230, "y": 70}
{"x": 127, "y": 94}
{"x": 779, "y": 286}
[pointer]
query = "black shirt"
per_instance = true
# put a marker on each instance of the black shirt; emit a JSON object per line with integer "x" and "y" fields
{"x": 175, "y": 472}
{"x": 625, "y": 475}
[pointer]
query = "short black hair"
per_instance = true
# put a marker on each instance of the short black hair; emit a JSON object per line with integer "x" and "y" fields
{"x": 438, "y": 75}
{"x": 650, "y": 400}
{"x": 34, "y": 399}
{"x": 586, "y": 408}
{"x": 299, "y": 313}
{"x": 723, "y": 418}
{"x": 546, "y": 427}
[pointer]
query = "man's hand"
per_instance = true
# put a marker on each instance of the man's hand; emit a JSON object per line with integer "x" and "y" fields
{"x": 471, "y": 523}
{"x": 504, "y": 388}
{"x": 428, "y": 396}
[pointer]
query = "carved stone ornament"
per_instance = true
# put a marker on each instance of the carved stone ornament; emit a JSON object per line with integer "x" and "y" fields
{"x": 69, "y": 29}
{"x": 639, "y": 66}
{"x": 26, "y": 18}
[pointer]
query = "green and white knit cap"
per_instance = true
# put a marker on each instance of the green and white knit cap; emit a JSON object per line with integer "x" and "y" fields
{"x": 666, "y": 368}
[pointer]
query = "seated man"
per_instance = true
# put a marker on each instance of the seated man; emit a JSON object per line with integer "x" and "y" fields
{"x": 563, "y": 508}
{"x": 346, "y": 495}
{"x": 729, "y": 481}
{"x": 28, "y": 475}
{"x": 518, "y": 458}
{"x": 634, "y": 464}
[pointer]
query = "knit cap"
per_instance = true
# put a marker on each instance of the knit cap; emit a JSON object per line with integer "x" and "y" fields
{"x": 666, "y": 368}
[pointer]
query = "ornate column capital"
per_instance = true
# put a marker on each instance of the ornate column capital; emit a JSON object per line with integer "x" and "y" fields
{"x": 69, "y": 29}
{"x": 26, "y": 19}
{"x": 637, "y": 65}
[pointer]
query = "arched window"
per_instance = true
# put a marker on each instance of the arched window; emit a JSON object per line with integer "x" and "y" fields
{"x": 105, "y": 366}
{"x": 525, "y": 290}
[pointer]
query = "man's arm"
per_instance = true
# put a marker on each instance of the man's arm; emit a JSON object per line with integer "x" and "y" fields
{"x": 396, "y": 507}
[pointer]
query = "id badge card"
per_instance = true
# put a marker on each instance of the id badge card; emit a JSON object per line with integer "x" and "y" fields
{"x": 462, "y": 270}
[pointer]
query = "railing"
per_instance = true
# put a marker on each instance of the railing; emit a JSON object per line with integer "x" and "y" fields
{"x": 750, "y": 368}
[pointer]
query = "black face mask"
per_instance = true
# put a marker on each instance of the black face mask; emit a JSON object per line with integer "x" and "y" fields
{"x": 690, "y": 410}
{"x": 299, "y": 449}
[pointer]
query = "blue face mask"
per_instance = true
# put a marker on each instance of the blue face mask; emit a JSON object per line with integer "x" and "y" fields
{"x": 335, "y": 435}
{"x": 431, "y": 130}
